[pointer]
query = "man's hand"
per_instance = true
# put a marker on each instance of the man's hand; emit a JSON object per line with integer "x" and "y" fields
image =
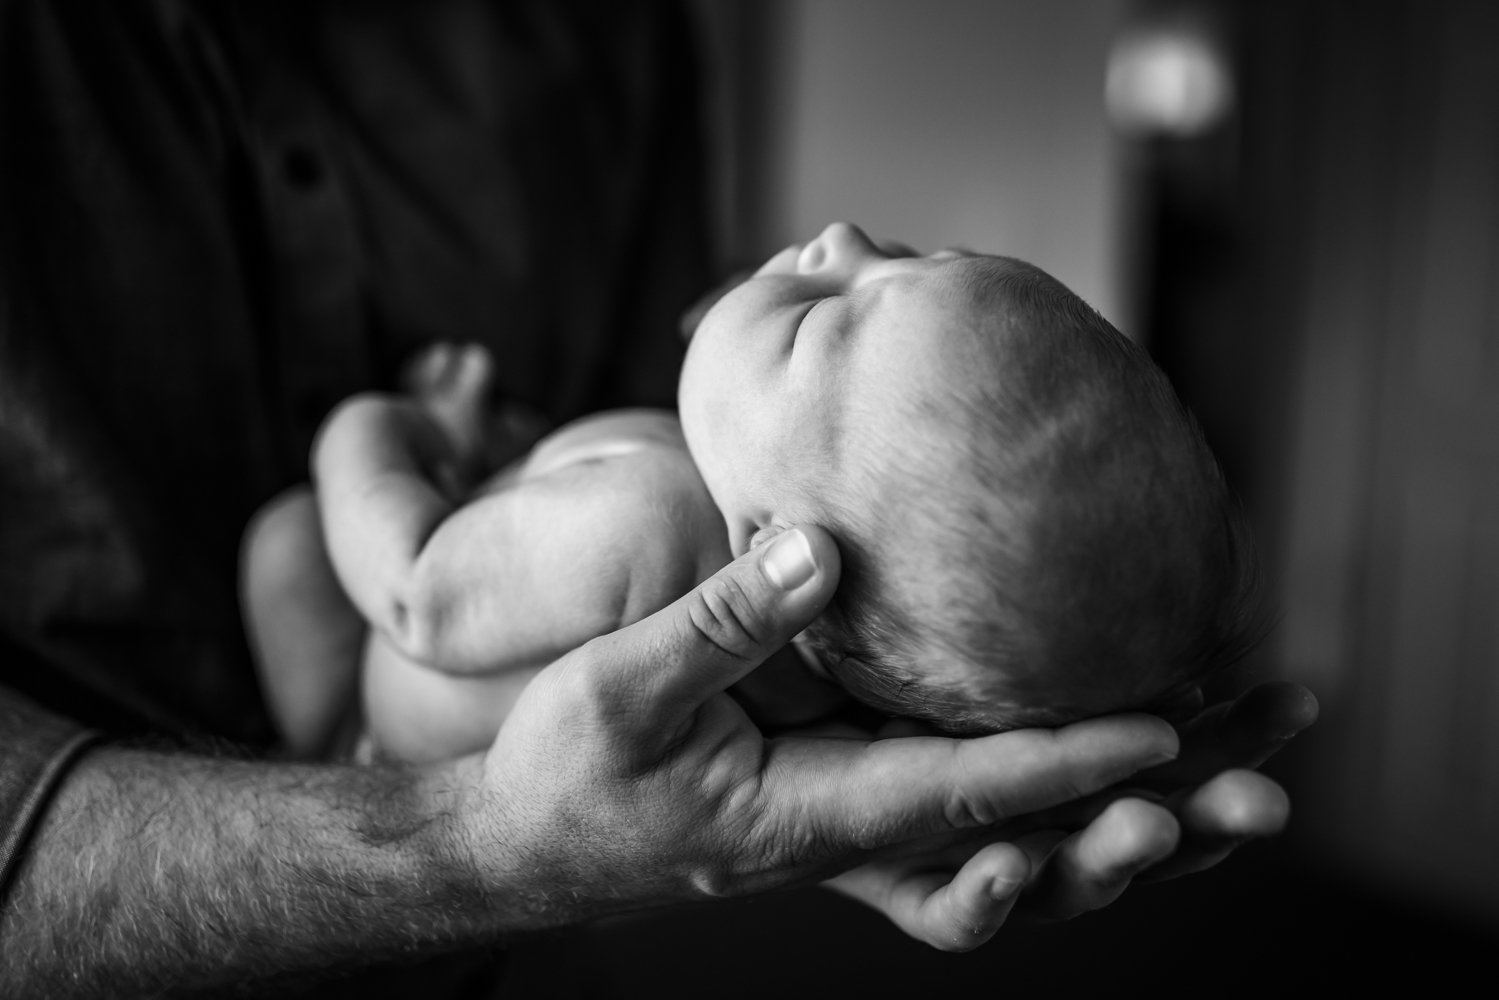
{"x": 625, "y": 776}
{"x": 1179, "y": 818}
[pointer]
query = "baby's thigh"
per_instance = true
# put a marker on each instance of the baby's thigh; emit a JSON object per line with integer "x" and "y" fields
{"x": 282, "y": 557}
{"x": 417, "y": 714}
{"x": 293, "y": 602}
{"x": 305, "y": 637}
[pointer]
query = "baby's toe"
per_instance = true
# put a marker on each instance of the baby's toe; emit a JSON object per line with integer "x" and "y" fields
{"x": 473, "y": 372}
{"x": 430, "y": 370}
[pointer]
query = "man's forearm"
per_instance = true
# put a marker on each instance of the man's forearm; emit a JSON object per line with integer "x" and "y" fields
{"x": 152, "y": 870}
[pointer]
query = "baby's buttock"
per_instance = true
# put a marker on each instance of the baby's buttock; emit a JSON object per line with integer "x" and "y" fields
{"x": 418, "y": 715}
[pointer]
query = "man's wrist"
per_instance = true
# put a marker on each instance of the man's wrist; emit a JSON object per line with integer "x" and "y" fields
{"x": 452, "y": 844}
{"x": 487, "y": 863}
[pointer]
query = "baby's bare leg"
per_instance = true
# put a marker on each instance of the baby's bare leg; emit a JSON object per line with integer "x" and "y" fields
{"x": 307, "y": 639}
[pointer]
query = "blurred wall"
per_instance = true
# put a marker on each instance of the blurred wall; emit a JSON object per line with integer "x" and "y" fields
{"x": 976, "y": 123}
{"x": 1391, "y": 463}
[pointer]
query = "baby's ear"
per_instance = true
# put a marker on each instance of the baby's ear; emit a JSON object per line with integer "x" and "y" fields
{"x": 810, "y": 659}
{"x": 763, "y": 535}
{"x": 879, "y": 695}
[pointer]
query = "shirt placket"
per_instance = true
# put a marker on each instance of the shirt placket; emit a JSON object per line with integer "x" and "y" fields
{"x": 320, "y": 338}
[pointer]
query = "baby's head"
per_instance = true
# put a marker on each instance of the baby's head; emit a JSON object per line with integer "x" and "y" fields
{"x": 1032, "y": 527}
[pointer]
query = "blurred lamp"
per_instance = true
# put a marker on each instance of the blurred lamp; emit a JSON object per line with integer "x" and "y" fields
{"x": 1170, "y": 81}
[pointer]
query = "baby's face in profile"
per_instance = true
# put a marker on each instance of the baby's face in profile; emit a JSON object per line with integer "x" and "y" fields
{"x": 795, "y": 375}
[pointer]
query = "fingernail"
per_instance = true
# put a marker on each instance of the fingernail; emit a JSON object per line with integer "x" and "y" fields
{"x": 788, "y": 560}
{"x": 1001, "y": 888}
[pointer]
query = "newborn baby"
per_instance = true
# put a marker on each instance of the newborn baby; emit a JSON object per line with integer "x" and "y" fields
{"x": 1032, "y": 528}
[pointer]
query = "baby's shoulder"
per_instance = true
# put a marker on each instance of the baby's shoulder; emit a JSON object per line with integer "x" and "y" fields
{"x": 639, "y": 434}
{"x": 628, "y": 474}
{"x": 638, "y": 449}
{"x": 622, "y": 486}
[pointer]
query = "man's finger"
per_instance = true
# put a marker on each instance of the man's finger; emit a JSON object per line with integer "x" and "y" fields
{"x": 1238, "y": 734}
{"x": 1091, "y": 868}
{"x": 726, "y": 626}
{"x": 970, "y": 909}
{"x": 1234, "y": 807}
{"x": 870, "y": 796}
{"x": 951, "y": 912}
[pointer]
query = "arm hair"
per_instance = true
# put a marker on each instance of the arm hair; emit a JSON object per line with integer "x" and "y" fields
{"x": 153, "y": 871}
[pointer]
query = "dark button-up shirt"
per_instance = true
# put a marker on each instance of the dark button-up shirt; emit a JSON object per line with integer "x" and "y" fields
{"x": 216, "y": 220}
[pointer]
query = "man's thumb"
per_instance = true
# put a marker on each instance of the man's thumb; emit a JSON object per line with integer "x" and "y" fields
{"x": 733, "y": 621}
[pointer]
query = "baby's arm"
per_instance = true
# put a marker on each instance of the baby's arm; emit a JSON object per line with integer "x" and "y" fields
{"x": 374, "y": 466}
{"x": 527, "y": 573}
{"x": 518, "y": 575}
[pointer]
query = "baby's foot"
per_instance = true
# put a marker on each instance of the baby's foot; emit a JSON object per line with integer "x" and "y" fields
{"x": 453, "y": 381}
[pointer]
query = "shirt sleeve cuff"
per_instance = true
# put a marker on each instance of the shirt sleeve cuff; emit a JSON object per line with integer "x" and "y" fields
{"x": 37, "y": 749}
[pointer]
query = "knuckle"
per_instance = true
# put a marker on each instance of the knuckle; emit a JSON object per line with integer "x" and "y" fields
{"x": 966, "y": 937}
{"x": 729, "y": 871}
{"x": 755, "y": 847}
{"x": 965, "y": 812}
{"x": 714, "y": 883}
{"x": 583, "y": 683}
{"x": 725, "y": 617}
{"x": 965, "y": 808}
{"x": 1147, "y": 834}
{"x": 863, "y": 834}
{"x": 957, "y": 934}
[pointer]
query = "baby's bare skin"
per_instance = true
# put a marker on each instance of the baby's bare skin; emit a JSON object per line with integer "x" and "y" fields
{"x": 603, "y": 523}
{"x": 465, "y": 590}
